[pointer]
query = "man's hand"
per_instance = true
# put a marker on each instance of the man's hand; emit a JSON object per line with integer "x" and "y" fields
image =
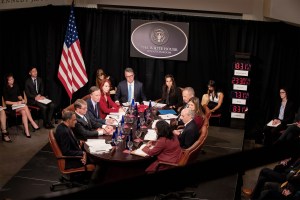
{"x": 177, "y": 132}
{"x": 108, "y": 130}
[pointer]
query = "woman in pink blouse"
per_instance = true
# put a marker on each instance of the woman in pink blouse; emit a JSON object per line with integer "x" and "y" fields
{"x": 106, "y": 104}
{"x": 166, "y": 148}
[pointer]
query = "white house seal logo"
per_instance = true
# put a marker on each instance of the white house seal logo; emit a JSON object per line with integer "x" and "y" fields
{"x": 159, "y": 36}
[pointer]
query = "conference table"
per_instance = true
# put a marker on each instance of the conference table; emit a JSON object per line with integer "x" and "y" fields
{"x": 118, "y": 163}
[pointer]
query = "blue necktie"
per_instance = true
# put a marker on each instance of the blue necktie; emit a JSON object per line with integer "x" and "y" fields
{"x": 129, "y": 93}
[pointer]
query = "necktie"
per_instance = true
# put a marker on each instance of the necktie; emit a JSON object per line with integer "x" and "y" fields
{"x": 96, "y": 110}
{"x": 35, "y": 85}
{"x": 129, "y": 93}
{"x": 84, "y": 118}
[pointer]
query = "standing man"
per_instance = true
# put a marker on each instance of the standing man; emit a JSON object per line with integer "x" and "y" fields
{"x": 67, "y": 142}
{"x": 34, "y": 89}
{"x": 190, "y": 133}
{"x": 85, "y": 127}
{"x": 129, "y": 89}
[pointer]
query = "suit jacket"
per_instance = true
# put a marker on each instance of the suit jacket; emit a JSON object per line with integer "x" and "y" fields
{"x": 69, "y": 145}
{"x": 30, "y": 89}
{"x": 167, "y": 150}
{"x": 122, "y": 92}
{"x": 92, "y": 114}
{"x": 289, "y": 113}
{"x": 175, "y": 100}
{"x": 107, "y": 106}
{"x": 189, "y": 135}
{"x": 84, "y": 130}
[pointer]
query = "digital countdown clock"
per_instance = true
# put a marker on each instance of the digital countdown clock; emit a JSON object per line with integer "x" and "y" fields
{"x": 242, "y": 65}
{"x": 240, "y": 80}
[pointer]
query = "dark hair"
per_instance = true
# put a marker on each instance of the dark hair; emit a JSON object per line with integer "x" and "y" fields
{"x": 67, "y": 115}
{"x": 163, "y": 129}
{"x": 31, "y": 68}
{"x": 93, "y": 89}
{"x": 79, "y": 103}
{"x": 212, "y": 83}
{"x": 165, "y": 87}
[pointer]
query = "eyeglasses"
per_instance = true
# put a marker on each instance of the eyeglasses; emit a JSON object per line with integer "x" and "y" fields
{"x": 129, "y": 76}
{"x": 281, "y": 92}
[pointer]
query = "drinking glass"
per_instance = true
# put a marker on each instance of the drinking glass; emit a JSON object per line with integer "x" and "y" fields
{"x": 130, "y": 145}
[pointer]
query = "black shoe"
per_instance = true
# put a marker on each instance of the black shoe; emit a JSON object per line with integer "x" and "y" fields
{"x": 28, "y": 136}
{"x": 35, "y": 129}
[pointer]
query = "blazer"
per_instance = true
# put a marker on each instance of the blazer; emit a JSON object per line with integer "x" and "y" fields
{"x": 107, "y": 106}
{"x": 122, "y": 92}
{"x": 167, "y": 150}
{"x": 92, "y": 114}
{"x": 289, "y": 113}
{"x": 83, "y": 129}
{"x": 31, "y": 91}
{"x": 69, "y": 145}
{"x": 175, "y": 100}
{"x": 189, "y": 135}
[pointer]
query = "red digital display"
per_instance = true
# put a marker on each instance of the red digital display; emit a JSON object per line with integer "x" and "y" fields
{"x": 238, "y": 108}
{"x": 242, "y": 65}
{"x": 239, "y": 95}
{"x": 240, "y": 80}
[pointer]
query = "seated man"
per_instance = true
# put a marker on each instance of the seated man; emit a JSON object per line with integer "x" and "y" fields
{"x": 93, "y": 105}
{"x": 34, "y": 89}
{"x": 67, "y": 142}
{"x": 129, "y": 89}
{"x": 187, "y": 94}
{"x": 190, "y": 134}
{"x": 85, "y": 127}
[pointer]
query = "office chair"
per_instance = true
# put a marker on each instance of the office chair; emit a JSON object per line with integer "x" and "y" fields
{"x": 9, "y": 115}
{"x": 68, "y": 175}
{"x": 189, "y": 155}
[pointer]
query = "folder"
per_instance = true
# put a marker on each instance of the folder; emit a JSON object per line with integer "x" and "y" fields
{"x": 165, "y": 112}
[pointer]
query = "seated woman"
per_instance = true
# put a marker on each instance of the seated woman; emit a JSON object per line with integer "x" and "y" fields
{"x": 106, "y": 104}
{"x": 213, "y": 99}
{"x": 166, "y": 148}
{"x": 195, "y": 106}
{"x": 100, "y": 76}
{"x": 12, "y": 96}
{"x": 171, "y": 95}
{"x": 284, "y": 114}
{"x": 5, "y": 134}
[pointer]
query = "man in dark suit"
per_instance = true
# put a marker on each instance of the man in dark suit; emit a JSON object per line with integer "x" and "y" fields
{"x": 67, "y": 142}
{"x": 85, "y": 127}
{"x": 129, "y": 89}
{"x": 190, "y": 134}
{"x": 93, "y": 105}
{"x": 34, "y": 90}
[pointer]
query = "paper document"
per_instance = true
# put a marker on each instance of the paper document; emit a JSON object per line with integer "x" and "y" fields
{"x": 155, "y": 121}
{"x": 151, "y": 135}
{"x": 2, "y": 108}
{"x": 16, "y": 106}
{"x": 154, "y": 104}
{"x": 271, "y": 124}
{"x": 44, "y": 101}
{"x": 168, "y": 116}
{"x": 129, "y": 103}
{"x": 97, "y": 146}
{"x": 139, "y": 151}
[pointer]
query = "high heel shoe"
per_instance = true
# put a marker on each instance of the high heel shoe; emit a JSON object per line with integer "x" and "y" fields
{"x": 6, "y": 138}
{"x": 35, "y": 129}
{"x": 28, "y": 136}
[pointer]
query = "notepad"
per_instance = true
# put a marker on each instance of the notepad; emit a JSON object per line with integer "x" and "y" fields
{"x": 44, "y": 101}
{"x": 2, "y": 108}
{"x": 272, "y": 125}
{"x": 165, "y": 112}
{"x": 16, "y": 106}
{"x": 139, "y": 151}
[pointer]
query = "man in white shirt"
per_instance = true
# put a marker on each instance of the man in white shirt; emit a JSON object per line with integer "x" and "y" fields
{"x": 85, "y": 127}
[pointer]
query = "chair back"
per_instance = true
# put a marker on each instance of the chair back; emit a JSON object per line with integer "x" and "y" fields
{"x": 190, "y": 154}
{"x": 57, "y": 152}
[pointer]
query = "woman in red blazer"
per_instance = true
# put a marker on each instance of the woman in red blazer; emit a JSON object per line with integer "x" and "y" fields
{"x": 106, "y": 104}
{"x": 166, "y": 148}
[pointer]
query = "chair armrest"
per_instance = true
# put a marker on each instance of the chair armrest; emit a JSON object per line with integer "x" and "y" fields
{"x": 161, "y": 163}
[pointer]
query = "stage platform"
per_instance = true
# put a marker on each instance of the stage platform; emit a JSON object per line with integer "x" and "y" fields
{"x": 35, "y": 178}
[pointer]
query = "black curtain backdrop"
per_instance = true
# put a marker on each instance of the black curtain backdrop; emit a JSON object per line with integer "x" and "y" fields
{"x": 35, "y": 36}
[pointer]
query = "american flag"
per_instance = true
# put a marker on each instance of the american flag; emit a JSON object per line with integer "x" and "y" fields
{"x": 71, "y": 71}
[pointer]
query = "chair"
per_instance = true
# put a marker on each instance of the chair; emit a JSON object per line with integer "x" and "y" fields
{"x": 71, "y": 107}
{"x": 217, "y": 116}
{"x": 35, "y": 108}
{"x": 16, "y": 115}
{"x": 189, "y": 155}
{"x": 61, "y": 160}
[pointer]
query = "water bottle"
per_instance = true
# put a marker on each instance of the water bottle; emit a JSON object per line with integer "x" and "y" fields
{"x": 128, "y": 140}
{"x": 138, "y": 123}
{"x": 136, "y": 111}
{"x": 114, "y": 139}
{"x": 120, "y": 132}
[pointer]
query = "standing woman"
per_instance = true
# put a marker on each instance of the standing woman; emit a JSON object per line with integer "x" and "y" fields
{"x": 13, "y": 96}
{"x": 100, "y": 76}
{"x": 283, "y": 115}
{"x": 195, "y": 106}
{"x": 213, "y": 99}
{"x": 171, "y": 95}
{"x": 106, "y": 104}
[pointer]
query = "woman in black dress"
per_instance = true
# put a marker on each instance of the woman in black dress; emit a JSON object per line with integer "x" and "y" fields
{"x": 13, "y": 97}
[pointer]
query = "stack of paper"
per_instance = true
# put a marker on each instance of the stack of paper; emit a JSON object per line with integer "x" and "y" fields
{"x": 272, "y": 125}
{"x": 139, "y": 151}
{"x": 168, "y": 116}
{"x": 16, "y": 106}
{"x": 44, "y": 101}
{"x": 2, "y": 108}
{"x": 97, "y": 146}
{"x": 154, "y": 104}
{"x": 151, "y": 135}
